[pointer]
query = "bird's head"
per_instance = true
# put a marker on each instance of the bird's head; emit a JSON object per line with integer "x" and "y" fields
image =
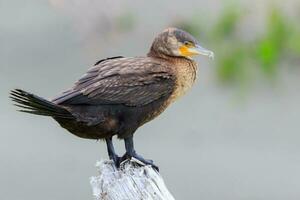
{"x": 178, "y": 43}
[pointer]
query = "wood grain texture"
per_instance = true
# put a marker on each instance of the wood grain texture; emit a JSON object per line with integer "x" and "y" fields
{"x": 133, "y": 181}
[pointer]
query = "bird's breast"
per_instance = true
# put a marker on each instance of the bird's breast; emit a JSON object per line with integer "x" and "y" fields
{"x": 186, "y": 73}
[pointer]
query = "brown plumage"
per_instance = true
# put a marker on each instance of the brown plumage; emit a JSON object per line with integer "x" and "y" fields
{"x": 117, "y": 95}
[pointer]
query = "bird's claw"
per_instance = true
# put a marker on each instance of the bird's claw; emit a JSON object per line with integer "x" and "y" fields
{"x": 139, "y": 158}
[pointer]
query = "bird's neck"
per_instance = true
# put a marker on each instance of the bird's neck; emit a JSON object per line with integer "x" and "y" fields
{"x": 173, "y": 59}
{"x": 156, "y": 54}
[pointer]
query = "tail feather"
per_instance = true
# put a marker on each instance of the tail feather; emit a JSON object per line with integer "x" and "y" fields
{"x": 33, "y": 104}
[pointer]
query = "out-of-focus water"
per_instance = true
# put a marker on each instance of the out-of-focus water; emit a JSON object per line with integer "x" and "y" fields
{"x": 209, "y": 145}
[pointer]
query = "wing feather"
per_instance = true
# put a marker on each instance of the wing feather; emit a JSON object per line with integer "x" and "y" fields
{"x": 128, "y": 81}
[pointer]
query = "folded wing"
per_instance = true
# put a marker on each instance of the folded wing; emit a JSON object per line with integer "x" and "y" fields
{"x": 127, "y": 81}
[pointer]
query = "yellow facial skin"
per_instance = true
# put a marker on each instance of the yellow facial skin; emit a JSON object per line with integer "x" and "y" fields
{"x": 189, "y": 49}
{"x": 185, "y": 50}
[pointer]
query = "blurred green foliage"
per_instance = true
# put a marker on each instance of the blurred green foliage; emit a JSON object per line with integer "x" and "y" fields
{"x": 237, "y": 57}
{"x": 232, "y": 68}
{"x": 270, "y": 48}
{"x": 226, "y": 24}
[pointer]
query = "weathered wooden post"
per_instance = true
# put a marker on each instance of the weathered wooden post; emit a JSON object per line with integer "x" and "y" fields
{"x": 133, "y": 181}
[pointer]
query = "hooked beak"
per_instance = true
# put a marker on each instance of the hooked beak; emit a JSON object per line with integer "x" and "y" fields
{"x": 198, "y": 50}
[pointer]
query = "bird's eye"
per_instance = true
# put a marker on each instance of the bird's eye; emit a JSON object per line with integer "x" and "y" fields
{"x": 187, "y": 43}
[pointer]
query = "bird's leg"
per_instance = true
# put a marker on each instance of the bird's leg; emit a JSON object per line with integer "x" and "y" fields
{"x": 130, "y": 152}
{"x": 111, "y": 151}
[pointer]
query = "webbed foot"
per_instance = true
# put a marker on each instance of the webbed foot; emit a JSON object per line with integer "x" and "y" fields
{"x": 139, "y": 158}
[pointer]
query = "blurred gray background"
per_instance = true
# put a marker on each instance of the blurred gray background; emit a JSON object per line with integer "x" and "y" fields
{"x": 226, "y": 139}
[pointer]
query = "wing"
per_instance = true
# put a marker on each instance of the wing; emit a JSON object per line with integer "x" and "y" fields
{"x": 127, "y": 81}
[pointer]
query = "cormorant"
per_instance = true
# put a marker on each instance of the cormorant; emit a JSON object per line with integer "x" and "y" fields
{"x": 118, "y": 95}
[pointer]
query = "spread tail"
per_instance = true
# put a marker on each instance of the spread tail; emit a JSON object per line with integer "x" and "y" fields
{"x": 33, "y": 104}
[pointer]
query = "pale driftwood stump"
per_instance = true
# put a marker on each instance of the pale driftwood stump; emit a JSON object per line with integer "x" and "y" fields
{"x": 133, "y": 181}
